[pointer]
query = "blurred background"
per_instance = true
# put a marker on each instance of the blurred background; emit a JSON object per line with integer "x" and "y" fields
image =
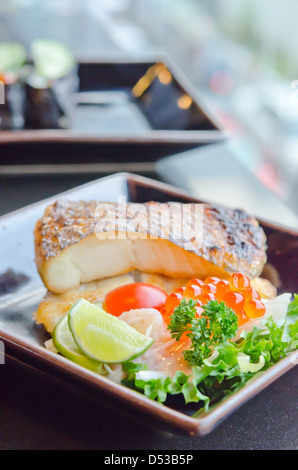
{"x": 242, "y": 57}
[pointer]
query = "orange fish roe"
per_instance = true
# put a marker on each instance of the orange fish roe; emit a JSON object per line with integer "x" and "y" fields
{"x": 254, "y": 308}
{"x": 236, "y": 293}
{"x": 238, "y": 282}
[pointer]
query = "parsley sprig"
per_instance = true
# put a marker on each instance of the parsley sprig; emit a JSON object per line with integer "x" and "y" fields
{"x": 217, "y": 325}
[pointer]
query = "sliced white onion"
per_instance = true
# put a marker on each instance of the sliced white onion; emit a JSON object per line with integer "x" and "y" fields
{"x": 147, "y": 321}
{"x": 247, "y": 366}
{"x": 50, "y": 346}
{"x": 147, "y": 375}
{"x": 276, "y": 308}
{"x": 114, "y": 372}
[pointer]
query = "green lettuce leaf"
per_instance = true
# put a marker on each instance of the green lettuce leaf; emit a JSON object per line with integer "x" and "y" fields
{"x": 291, "y": 324}
{"x": 230, "y": 366}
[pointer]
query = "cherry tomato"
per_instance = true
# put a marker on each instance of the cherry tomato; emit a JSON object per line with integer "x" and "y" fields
{"x": 133, "y": 296}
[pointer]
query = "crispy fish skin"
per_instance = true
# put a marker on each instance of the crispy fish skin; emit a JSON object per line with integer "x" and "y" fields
{"x": 71, "y": 247}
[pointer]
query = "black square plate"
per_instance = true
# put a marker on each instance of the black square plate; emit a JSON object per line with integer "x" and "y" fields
{"x": 25, "y": 340}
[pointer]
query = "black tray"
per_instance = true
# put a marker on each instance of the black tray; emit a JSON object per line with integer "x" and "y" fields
{"x": 125, "y": 112}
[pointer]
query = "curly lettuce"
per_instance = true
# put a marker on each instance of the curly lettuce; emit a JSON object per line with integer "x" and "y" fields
{"x": 229, "y": 367}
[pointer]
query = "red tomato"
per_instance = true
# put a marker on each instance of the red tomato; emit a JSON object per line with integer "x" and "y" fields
{"x": 132, "y": 296}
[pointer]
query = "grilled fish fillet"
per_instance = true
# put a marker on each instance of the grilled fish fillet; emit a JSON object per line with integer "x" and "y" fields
{"x": 78, "y": 242}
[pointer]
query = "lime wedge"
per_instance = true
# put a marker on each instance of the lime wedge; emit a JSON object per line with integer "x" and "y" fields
{"x": 102, "y": 336}
{"x": 65, "y": 344}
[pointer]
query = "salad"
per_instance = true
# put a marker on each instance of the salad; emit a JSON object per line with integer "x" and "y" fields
{"x": 203, "y": 342}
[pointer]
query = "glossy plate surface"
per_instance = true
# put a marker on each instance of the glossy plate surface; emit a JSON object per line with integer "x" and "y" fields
{"x": 21, "y": 290}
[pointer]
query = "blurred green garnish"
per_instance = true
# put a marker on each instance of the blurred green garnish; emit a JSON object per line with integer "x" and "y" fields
{"x": 52, "y": 59}
{"x": 12, "y": 57}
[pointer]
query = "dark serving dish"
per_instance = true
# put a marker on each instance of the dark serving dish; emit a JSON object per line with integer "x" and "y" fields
{"x": 132, "y": 105}
{"x": 23, "y": 290}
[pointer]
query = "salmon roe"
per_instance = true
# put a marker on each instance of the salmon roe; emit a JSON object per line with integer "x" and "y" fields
{"x": 236, "y": 292}
{"x": 238, "y": 282}
{"x": 254, "y": 308}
